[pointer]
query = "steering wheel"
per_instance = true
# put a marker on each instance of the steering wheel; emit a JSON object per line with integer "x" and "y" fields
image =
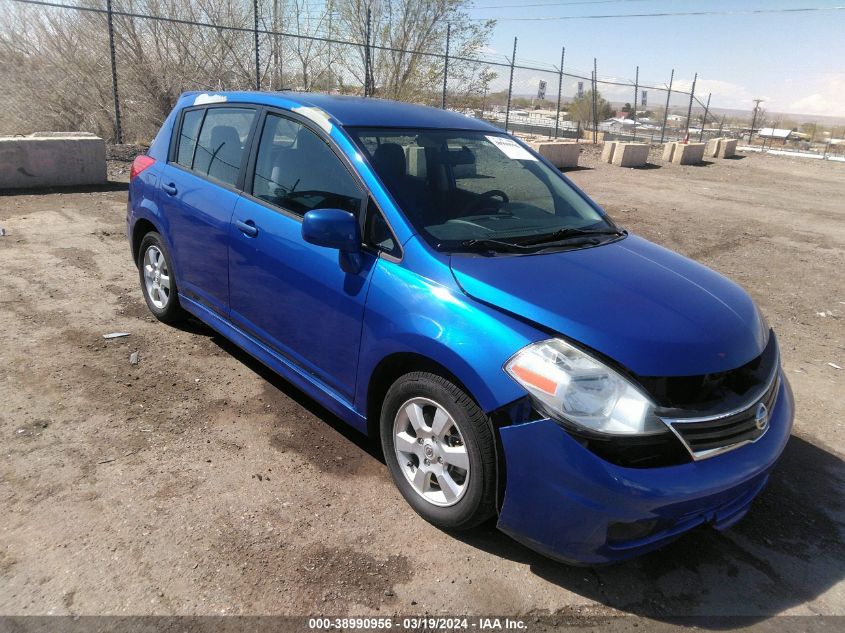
{"x": 483, "y": 199}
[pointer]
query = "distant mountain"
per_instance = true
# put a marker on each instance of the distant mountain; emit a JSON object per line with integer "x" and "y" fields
{"x": 771, "y": 117}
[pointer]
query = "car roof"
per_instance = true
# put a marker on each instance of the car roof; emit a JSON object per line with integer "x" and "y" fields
{"x": 351, "y": 111}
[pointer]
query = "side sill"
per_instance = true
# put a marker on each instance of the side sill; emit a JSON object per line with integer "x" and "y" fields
{"x": 309, "y": 384}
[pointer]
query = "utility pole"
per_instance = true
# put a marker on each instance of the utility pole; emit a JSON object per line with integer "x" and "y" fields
{"x": 757, "y": 103}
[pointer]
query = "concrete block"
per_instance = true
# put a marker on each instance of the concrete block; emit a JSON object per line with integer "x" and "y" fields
{"x": 631, "y": 154}
{"x": 689, "y": 154}
{"x": 608, "y": 150}
{"x": 415, "y": 157}
{"x": 51, "y": 159}
{"x": 712, "y": 149}
{"x": 727, "y": 148}
{"x": 587, "y": 135}
{"x": 669, "y": 151}
{"x": 561, "y": 155}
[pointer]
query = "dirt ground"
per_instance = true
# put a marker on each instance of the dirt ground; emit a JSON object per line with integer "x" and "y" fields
{"x": 196, "y": 482}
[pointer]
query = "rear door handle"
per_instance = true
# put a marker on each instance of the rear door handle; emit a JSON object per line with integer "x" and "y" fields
{"x": 170, "y": 189}
{"x": 248, "y": 228}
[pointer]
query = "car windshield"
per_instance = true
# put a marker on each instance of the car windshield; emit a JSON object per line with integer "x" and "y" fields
{"x": 464, "y": 188}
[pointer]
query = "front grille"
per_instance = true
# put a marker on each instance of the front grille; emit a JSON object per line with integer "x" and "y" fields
{"x": 710, "y": 394}
{"x": 706, "y": 437}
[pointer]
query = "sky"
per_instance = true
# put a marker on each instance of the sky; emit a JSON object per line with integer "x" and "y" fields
{"x": 794, "y": 61}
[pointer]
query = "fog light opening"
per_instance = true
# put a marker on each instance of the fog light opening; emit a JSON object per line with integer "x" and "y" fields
{"x": 621, "y": 532}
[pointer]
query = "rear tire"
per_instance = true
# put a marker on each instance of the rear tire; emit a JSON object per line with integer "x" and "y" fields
{"x": 158, "y": 284}
{"x": 440, "y": 450}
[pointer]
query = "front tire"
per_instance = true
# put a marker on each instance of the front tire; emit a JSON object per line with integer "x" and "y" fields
{"x": 158, "y": 284}
{"x": 440, "y": 450}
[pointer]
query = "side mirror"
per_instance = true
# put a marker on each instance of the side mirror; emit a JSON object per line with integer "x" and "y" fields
{"x": 334, "y": 228}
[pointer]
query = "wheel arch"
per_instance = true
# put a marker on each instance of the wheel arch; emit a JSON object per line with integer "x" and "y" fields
{"x": 139, "y": 230}
{"x": 389, "y": 370}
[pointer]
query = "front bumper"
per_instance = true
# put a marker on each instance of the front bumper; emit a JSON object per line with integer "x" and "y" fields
{"x": 561, "y": 500}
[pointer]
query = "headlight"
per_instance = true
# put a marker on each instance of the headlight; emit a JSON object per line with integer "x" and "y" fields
{"x": 573, "y": 387}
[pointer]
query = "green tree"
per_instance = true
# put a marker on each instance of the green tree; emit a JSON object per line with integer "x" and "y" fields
{"x": 581, "y": 108}
{"x": 810, "y": 129}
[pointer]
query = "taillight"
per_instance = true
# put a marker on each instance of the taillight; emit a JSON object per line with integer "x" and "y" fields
{"x": 140, "y": 164}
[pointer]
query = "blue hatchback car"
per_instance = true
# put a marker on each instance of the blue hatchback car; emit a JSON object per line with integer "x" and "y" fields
{"x": 440, "y": 286}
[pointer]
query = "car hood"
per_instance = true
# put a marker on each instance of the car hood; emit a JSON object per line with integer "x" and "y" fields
{"x": 651, "y": 310}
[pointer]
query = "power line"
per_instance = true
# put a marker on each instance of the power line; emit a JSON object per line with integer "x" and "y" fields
{"x": 666, "y": 14}
{"x": 555, "y": 3}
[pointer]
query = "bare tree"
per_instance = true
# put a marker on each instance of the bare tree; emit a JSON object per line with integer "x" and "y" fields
{"x": 408, "y": 39}
{"x": 56, "y": 62}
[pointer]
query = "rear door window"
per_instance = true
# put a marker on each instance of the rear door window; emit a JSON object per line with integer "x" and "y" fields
{"x": 220, "y": 145}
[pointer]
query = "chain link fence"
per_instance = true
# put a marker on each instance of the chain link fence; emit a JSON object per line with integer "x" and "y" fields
{"x": 116, "y": 67}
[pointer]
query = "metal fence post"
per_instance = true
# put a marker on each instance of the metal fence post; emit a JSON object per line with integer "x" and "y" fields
{"x": 118, "y": 127}
{"x": 257, "y": 56}
{"x": 754, "y": 121}
{"x": 666, "y": 111}
{"x": 367, "y": 56}
{"x": 691, "y": 97}
{"x": 636, "y": 93}
{"x": 704, "y": 121}
{"x": 510, "y": 88}
{"x": 559, "y": 89}
{"x": 595, "y": 102}
{"x": 446, "y": 64}
{"x": 330, "y": 82}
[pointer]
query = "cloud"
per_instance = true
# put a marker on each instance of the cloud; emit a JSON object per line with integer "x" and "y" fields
{"x": 830, "y": 101}
{"x": 726, "y": 94}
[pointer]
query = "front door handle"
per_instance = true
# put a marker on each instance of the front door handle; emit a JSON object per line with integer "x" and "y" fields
{"x": 170, "y": 189}
{"x": 248, "y": 228}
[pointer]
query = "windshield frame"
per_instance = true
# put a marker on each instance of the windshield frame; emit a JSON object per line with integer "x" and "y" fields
{"x": 603, "y": 223}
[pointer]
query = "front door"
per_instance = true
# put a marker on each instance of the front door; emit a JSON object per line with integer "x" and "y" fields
{"x": 290, "y": 294}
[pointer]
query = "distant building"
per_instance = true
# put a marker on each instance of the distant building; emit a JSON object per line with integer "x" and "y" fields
{"x": 774, "y": 133}
{"x": 617, "y": 124}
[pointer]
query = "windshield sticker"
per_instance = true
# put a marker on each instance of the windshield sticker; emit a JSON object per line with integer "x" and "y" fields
{"x": 316, "y": 115}
{"x": 511, "y": 148}
{"x": 207, "y": 98}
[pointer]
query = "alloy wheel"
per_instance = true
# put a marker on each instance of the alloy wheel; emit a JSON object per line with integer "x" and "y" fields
{"x": 431, "y": 451}
{"x": 156, "y": 277}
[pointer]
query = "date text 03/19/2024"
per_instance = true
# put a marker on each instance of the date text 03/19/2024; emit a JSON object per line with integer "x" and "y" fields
{"x": 418, "y": 623}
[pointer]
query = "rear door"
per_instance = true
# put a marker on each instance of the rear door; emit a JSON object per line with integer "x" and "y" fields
{"x": 290, "y": 294}
{"x": 199, "y": 188}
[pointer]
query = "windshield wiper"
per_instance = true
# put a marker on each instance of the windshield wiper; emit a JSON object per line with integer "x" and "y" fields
{"x": 495, "y": 245}
{"x": 564, "y": 234}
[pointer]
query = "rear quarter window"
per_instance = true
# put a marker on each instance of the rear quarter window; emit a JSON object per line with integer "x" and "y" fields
{"x": 188, "y": 137}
